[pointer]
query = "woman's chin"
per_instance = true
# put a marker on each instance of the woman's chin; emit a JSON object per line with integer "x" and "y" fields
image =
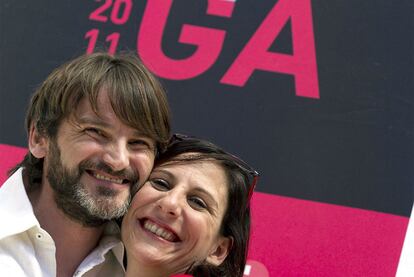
{"x": 154, "y": 262}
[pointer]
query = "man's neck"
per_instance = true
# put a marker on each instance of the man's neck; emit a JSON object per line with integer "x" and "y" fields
{"x": 73, "y": 240}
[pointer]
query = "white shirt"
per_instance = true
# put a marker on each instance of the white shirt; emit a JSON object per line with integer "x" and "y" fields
{"x": 28, "y": 250}
{"x": 406, "y": 265}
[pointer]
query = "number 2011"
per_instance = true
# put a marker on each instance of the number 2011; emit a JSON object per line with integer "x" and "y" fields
{"x": 121, "y": 10}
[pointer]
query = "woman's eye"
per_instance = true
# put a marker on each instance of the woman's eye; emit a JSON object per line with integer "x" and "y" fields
{"x": 160, "y": 184}
{"x": 197, "y": 203}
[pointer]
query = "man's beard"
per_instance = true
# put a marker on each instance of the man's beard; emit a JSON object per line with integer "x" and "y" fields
{"x": 89, "y": 208}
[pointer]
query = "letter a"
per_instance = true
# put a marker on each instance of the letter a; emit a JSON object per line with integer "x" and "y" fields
{"x": 302, "y": 64}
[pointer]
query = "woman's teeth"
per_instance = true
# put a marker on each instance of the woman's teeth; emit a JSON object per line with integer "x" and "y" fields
{"x": 159, "y": 231}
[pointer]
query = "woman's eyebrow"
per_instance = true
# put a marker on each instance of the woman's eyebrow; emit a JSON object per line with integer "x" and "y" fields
{"x": 199, "y": 188}
{"x": 164, "y": 171}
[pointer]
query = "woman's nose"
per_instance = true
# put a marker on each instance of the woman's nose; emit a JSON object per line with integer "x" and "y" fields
{"x": 171, "y": 204}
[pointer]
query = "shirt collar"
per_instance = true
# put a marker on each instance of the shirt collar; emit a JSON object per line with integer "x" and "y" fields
{"x": 16, "y": 211}
{"x": 111, "y": 239}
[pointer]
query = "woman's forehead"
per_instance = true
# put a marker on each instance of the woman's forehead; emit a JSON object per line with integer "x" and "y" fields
{"x": 190, "y": 158}
{"x": 207, "y": 173}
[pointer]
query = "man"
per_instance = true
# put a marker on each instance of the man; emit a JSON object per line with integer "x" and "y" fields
{"x": 94, "y": 128}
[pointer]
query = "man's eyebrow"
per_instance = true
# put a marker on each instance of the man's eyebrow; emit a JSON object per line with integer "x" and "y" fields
{"x": 97, "y": 121}
{"x": 93, "y": 121}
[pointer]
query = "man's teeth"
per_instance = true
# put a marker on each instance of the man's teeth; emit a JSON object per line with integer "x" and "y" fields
{"x": 105, "y": 178}
{"x": 157, "y": 230}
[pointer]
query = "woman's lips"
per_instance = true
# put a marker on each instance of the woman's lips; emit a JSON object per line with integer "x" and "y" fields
{"x": 159, "y": 230}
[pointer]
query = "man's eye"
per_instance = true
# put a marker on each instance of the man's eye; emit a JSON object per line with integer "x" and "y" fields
{"x": 160, "y": 184}
{"x": 141, "y": 144}
{"x": 94, "y": 132}
{"x": 197, "y": 203}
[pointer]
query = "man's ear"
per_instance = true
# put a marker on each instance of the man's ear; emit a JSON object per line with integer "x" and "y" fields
{"x": 38, "y": 143}
{"x": 220, "y": 252}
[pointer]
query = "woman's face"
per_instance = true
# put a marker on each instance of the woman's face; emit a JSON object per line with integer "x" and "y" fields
{"x": 174, "y": 219}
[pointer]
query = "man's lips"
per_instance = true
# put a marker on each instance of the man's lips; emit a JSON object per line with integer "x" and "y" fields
{"x": 107, "y": 177}
{"x": 161, "y": 231}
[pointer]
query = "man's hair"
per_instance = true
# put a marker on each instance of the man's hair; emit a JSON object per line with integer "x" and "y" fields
{"x": 236, "y": 221}
{"x": 136, "y": 96}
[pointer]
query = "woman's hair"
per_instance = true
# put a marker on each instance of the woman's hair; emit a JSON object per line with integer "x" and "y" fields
{"x": 236, "y": 220}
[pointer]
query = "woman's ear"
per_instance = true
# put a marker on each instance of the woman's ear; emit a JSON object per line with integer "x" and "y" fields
{"x": 38, "y": 143}
{"x": 220, "y": 252}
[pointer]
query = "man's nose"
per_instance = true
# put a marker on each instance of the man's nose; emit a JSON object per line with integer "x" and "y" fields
{"x": 117, "y": 155}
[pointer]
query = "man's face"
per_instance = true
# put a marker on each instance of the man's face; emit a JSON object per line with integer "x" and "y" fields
{"x": 95, "y": 162}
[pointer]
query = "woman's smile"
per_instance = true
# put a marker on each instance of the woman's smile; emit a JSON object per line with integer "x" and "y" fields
{"x": 161, "y": 232}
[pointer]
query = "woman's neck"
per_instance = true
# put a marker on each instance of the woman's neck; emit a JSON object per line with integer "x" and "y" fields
{"x": 135, "y": 270}
{"x": 144, "y": 272}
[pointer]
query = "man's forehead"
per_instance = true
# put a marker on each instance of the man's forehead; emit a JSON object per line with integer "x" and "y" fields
{"x": 100, "y": 102}
{"x": 101, "y": 113}
{"x": 103, "y": 117}
{"x": 85, "y": 112}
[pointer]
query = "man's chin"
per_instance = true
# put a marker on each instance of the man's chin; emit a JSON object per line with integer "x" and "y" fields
{"x": 113, "y": 209}
{"x": 102, "y": 205}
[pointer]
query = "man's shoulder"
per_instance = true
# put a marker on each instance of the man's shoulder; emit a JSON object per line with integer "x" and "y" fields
{"x": 107, "y": 258}
{"x": 15, "y": 207}
{"x": 13, "y": 196}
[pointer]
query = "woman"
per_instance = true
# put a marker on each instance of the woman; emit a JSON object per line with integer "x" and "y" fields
{"x": 192, "y": 215}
